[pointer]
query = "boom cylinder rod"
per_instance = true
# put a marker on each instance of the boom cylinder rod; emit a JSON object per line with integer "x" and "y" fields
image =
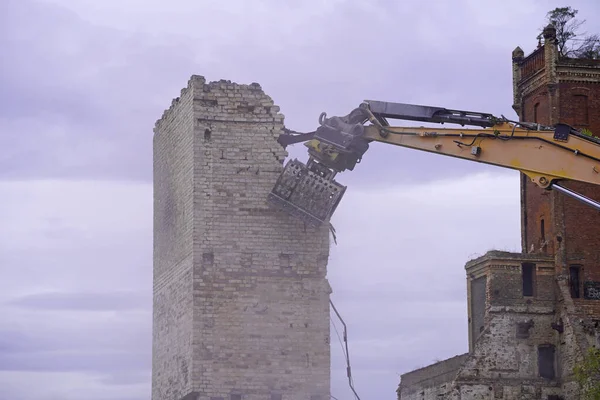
{"x": 576, "y": 196}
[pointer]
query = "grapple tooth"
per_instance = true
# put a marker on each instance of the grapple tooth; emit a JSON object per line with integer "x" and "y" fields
{"x": 305, "y": 194}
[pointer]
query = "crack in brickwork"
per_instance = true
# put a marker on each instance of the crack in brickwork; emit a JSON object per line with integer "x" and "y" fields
{"x": 241, "y": 299}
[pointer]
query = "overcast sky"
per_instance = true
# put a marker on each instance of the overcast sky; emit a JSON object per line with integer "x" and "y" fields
{"x": 81, "y": 85}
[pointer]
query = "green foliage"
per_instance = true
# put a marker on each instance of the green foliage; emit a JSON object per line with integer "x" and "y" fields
{"x": 567, "y": 37}
{"x": 587, "y": 375}
{"x": 586, "y": 132}
{"x": 562, "y": 18}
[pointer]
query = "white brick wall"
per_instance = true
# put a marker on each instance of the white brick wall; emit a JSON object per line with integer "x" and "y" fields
{"x": 173, "y": 250}
{"x": 241, "y": 296}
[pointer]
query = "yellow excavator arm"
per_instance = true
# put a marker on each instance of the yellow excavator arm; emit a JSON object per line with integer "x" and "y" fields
{"x": 545, "y": 154}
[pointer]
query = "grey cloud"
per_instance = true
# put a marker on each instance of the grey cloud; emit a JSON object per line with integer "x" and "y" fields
{"x": 118, "y": 348}
{"x": 76, "y": 291}
{"x": 75, "y": 332}
{"x": 127, "y": 377}
{"x": 89, "y": 239}
{"x": 394, "y": 325}
{"x": 44, "y": 78}
{"x": 67, "y": 361}
{"x": 85, "y": 301}
{"x": 16, "y": 341}
{"x": 402, "y": 294}
{"x": 397, "y": 325}
{"x": 102, "y": 88}
{"x": 71, "y": 267}
{"x": 89, "y": 112}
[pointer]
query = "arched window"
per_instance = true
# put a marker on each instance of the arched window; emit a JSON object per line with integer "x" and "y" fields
{"x": 535, "y": 112}
{"x": 580, "y": 104}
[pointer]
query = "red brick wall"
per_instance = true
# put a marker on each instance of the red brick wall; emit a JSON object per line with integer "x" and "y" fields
{"x": 573, "y": 99}
{"x": 582, "y": 224}
{"x": 579, "y": 106}
{"x": 536, "y": 108}
{"x": 538, "y": 209}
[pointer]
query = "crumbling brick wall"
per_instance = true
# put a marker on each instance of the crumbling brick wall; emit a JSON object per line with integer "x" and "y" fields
{"x": 504, "y": 362}
{"x": 515, "y": 356}
{"x": 512, "y": 308}
{"x": 242, "y": 305}
{"x": 431, "y": 382}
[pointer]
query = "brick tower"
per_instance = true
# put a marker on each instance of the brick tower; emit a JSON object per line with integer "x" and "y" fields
{"x": 533, "y": 315}
{"x": 549, "y": 90}
{"x": 241, "y": 299}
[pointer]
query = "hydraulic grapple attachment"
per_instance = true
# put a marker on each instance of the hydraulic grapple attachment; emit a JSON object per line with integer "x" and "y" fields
{"x": 307, "y": 192}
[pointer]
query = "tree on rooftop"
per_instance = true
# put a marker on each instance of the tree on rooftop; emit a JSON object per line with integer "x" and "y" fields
{"x": 571, "y": 43}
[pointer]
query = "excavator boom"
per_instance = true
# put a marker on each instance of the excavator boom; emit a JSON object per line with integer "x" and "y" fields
{"x": 545, "y": 154}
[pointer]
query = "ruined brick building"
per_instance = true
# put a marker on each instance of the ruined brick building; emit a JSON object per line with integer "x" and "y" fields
{"x": 241, "y": 299}
{"x": 533, "y": 314}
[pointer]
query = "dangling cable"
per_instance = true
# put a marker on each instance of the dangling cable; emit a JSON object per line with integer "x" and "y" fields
{"x": 347, "y": 354}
